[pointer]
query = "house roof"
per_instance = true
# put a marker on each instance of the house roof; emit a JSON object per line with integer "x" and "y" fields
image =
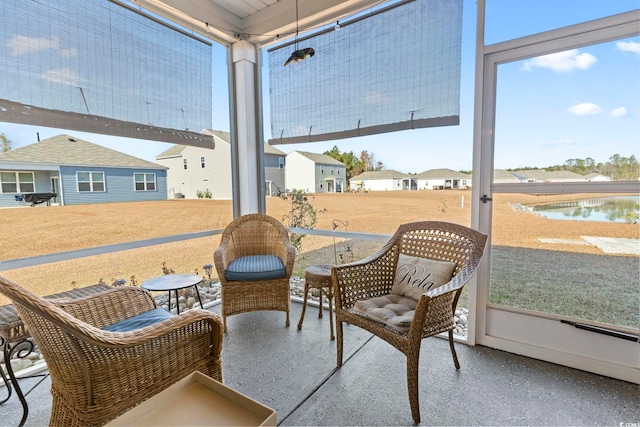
{"x": 68, "y": 150}
{"x": 505, "y": 174}
{"x": 270, "y": 149}
{"x": 173, "y": 151}
{"x": 442, "y": 173}
{"x": 383, "y": 174}
{"x": 320, "y": 158}
{"x": 177, "y": 149}
{"x": 541, "y": 174}
{"x": 225, "y": 136}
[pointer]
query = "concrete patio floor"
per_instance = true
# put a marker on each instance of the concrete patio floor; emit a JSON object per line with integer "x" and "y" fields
{"x": 294, "y": 372}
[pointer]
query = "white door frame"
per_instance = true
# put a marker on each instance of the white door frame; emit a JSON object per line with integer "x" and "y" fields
{"x": 532, "y": 334}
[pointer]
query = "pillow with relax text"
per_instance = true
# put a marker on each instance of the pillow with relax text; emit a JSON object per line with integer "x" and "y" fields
{"x": 415, "y": 276}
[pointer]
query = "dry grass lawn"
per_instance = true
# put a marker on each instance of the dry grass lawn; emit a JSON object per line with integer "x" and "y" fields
{"x": 28, "y": 232}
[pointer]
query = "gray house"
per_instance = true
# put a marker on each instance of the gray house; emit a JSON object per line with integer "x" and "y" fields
{"x": 315, "y": 173}
{"x": 78, "y": 172}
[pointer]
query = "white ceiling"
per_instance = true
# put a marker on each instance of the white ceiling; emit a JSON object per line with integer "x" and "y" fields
{"x": 258, "y": 21}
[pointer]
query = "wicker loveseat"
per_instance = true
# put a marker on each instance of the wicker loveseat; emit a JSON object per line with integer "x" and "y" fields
{"x": 254, "y": 262}
{"x": 110, "y": 351}
{"x": 370, "y": 294}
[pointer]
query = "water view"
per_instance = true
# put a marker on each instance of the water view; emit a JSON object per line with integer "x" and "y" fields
{"x": 602, "y": 209}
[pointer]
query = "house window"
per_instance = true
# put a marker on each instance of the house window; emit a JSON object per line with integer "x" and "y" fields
{"x": 320, "y": 184}
{"x": 332, "y": 171}
{"x": 184, "y": 163}
{"x": 90, "y": 181}
{"x": 17, "y": 182}
{"x": 280, "y": 162}
{"x": 202, "y": 162}
{"x": 322, "y": 169}
{"x": 144, "y": 181}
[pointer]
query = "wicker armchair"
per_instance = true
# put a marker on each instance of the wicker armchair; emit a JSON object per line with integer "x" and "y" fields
{"x": 371, "y": 280}
{"x": 248, "y": 282}
{"x": 97, "y": 375}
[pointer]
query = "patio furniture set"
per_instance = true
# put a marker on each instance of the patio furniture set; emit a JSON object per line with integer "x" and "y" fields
{"x": 108, "y": 352}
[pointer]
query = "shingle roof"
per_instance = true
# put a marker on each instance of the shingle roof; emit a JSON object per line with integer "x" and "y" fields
{"x": 68, "y": 150}
{"x": 173, "y": 151}
{"x": 225, "y": 136}
{"x": 383, "y": 174}
{"x": 321, "y": 158}
{"x": 270, "y": 149}
{"x": 542, "y": 174}
{"x": 177, "y": 149}
{"x": 442, "y": 173}
{"x": 504, "y": 174}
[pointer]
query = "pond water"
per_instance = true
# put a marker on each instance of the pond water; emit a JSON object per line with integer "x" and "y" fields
{"x": 603, "y": 209}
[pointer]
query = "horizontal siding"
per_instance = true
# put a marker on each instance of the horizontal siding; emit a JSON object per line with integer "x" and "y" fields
{"x": 119, "y": 186}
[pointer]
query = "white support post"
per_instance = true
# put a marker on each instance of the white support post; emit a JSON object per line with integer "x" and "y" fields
{"x": 247, "y": 146}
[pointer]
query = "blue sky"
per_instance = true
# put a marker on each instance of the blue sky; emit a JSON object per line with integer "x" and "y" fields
{"x": 549, "y": 109}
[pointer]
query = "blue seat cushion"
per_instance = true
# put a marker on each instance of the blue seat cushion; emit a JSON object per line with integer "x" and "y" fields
{"x": 255, "y": 267}
{"x": 140, "y": 321}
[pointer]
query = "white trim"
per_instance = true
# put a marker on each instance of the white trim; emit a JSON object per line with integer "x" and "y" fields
{"x": 155, "y": 182}
{"x": 531, "y": 336}
{"x": 17, "y": 181}
{"x": 521, "y": 333}
{"x": 91, "y": 182}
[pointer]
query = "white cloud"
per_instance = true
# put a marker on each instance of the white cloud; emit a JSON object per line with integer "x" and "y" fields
{"x": 21, "y": 44}
{"x": 68, "y": 53}
{"x": 561, "y": 62}
{"x": 619, "y": 112}
{"x": 63, "y": 76}
{"x": 632, "y": 47}
{"x": 585, "y": 108}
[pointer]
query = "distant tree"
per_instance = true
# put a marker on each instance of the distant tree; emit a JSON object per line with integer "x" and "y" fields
{"x": 352, "y": 164}
{"x": 624, "y": 168}
{"x": 366, "y": 161}
{"x": 5, "y": 143}
{"x": 619, "y": 168}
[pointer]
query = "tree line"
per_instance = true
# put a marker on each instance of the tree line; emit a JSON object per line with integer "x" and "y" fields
{"x": 356, "y": 165}
{"x": 618, "y": 168}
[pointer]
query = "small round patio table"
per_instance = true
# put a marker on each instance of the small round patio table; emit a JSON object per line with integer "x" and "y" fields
{"x": 174, "y": 282}
{"x": 318, "y": 277}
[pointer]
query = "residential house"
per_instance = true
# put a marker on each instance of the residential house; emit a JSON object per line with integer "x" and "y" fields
{"x": 274, "y": 170}
{"x": 78, "y": 172}
{"x": 205, "y": 172}
{"x": 383, "y": 180}
{"x": 541, "y": 175}
{"x": 440, "y": 179}
{"x": 501, "y": 176}
{"x": 315, "y": 173}
{"x": 596, "y": 177}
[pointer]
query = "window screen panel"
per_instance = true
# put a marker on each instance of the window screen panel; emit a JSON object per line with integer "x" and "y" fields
{"x": 394, "y": 69}
{"x": 100, "y": 66}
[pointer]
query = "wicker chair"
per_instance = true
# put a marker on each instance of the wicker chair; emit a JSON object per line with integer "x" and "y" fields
{"x": 247, "y": 283}
{"x": 374, "y": 277}
{"x": 97, "y": 375}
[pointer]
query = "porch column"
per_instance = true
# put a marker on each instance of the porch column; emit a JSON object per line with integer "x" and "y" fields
{"x": 247, "y": 151}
